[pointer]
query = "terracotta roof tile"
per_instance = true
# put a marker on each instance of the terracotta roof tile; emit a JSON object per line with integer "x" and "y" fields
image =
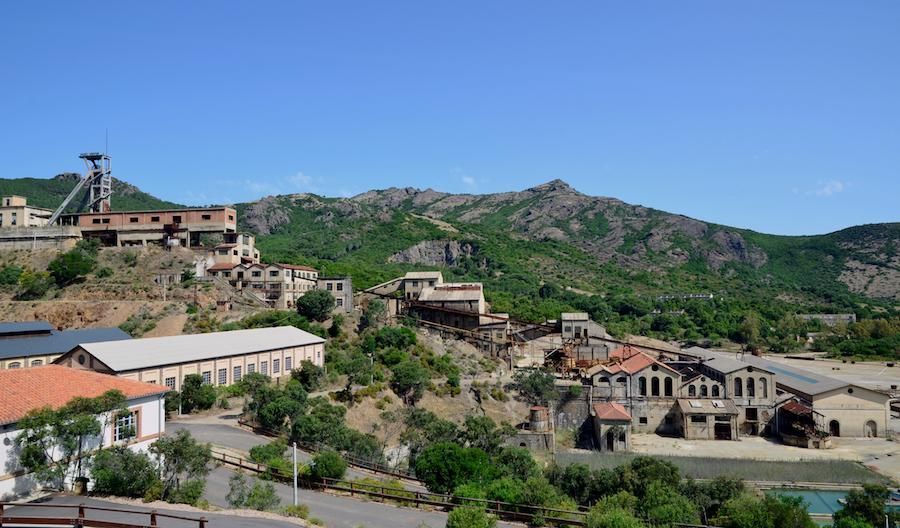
{"x": 22, "y": 390}
{"x": 611, "y": 411}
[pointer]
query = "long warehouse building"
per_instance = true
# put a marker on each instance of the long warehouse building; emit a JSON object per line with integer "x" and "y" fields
{"x": 221, "y": 358}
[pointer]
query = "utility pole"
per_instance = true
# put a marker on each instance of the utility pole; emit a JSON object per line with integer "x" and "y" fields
{"x": 294, "y": 457}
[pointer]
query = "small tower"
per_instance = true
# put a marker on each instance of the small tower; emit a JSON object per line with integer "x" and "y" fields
{"x": 99, "y": 177}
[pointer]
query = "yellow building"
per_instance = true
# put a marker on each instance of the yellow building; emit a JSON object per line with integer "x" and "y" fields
{"x": 15, "y": 212}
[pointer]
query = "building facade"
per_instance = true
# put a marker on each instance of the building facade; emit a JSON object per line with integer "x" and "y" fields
{"x": 37, "y": 343}
{"x": 170, "y": 227}
{"x": 342, "y": 290}
{"x": 220, "y": 358}
{"x": 15, "y": 212}
{"x": 279, "y": 285}
{"x": 24, "y": 390}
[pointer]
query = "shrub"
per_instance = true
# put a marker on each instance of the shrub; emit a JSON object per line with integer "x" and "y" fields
{"x": 189, "y": 492}
{"x": 196, "y": 395}
{"x": 267, "y": 452}
{"x": 316, "y": 305}
{"x": 300, "y": 511}
{"x": 259, "y": 496}
{"x": 445, "y": 465}
{"x": 470, "y": 517}
{"x": 103, "y": 272}
{"x": 123, "y": 472}
{"x": 328, "y": 464}
{"x": 71, "y": 265}
{"x": 34, "y": 284}
{"x": 9, "y": 275}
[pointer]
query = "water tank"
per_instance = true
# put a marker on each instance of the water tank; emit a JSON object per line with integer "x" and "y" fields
{"x": 539, "y": 420}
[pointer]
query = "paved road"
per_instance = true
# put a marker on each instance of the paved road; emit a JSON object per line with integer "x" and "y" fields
{"x": 215, "y": 520}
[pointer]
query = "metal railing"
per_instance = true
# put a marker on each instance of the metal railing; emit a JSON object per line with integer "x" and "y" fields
{"x": 81, "y": 517}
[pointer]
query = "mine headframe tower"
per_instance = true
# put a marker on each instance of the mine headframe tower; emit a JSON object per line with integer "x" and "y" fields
{"x": 98, "y": 179}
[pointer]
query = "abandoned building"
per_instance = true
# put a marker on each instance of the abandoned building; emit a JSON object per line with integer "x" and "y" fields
{"x": 15, "y": 212}
{"x": 172, "y": 227}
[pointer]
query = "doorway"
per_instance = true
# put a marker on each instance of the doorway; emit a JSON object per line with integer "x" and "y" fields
{"x": 723, "y": 431}
{"x": 871, "y": 429}
{"x": 610, "y": 440}
{"x": 834, "y": 428}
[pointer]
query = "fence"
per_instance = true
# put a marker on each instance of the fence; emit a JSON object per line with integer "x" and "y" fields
{"x": 82, "y": 519}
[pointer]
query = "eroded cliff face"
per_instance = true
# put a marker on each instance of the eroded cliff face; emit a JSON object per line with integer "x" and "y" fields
{"x": 435, "y": 253}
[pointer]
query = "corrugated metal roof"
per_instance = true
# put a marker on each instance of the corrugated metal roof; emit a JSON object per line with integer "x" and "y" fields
{"x": 723, "y": 362}
{"x": 56, "y": 342}
{"x": 157, "y": 351}
{"x": 452, "y": 292}
{"x": 27, "y": 327}
{"x": 574, "y": 316}
{"x": 423, "y": 275}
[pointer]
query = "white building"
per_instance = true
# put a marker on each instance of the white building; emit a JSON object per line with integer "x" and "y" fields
{"x": 23, "y": 390}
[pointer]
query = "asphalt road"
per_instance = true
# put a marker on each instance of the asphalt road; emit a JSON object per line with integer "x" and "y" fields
{"x": 214, "y": 520}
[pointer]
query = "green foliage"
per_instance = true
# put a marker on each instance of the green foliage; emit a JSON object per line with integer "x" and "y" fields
{"x": 33, "y": 284}
{"x": 482, "y": 433}
{"x": 470, "y": 517}
{"x": 253, "y": 495}
{"x": 9, "y": 274}
{"x": 122, "y": 472}
{"x": 53, "y": 443}
{"x": 310, "y": 375}
{"x": 196, "y": 395}
{"x": 600, "y": 517}
{"x": 103, "y": 273}
{"x": 49, "y": 193}
{"x": 444, "y": 466}
{"x": 866, "y": 505}
{"x": 408, "y": 380}
{"x": 184, "y": 464}
{"x": 536, "y": 386}
{"x": 747, "y": 511}
{"x": 74, "y": 264}
{"x": 328, "y": 464}
{"x": 265, "y": 453}
{"x": 517, "y": 462}
{"x": 316, "y": 305}
{"x": 372, "y": 315}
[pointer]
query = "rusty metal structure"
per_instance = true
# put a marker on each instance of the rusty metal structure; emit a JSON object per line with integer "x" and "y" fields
{"x": 98, "y": 180}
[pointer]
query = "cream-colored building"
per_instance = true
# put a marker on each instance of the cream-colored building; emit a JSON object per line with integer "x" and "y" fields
{"x": 220, "y": 358}
{"x": 279, "y": 285}
{"x": 37, "y": 343}
{"x": 15, "y": 212}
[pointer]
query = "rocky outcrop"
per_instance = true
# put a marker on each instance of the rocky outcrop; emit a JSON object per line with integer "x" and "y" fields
{"x": 265, "y": 215}
{"x": 731, "y": 247}
{"x": 435, "y": 253}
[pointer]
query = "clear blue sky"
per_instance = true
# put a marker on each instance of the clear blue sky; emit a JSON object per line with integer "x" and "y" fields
{"x": 782, "y": 117}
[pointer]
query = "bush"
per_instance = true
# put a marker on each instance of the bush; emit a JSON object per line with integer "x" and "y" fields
{"x": 300, "y": 511}
{"x": 9, "y": 275}
{"x": 445, "y": 465}
{"x": 196, "y": 395}
{"x": 72, "y": 265}
{"x": 316, "y": 305}
{"x": 103, "y": 272}
{"x": 189, "y": 492}
{"x": 34, "y": 284}
{"x": 328, "y": 464}
{"x": 267, "y": 452}
{"x": 259, "y": 496}
{"x": 470, "y": 517}
{"x": 123, "y": 472}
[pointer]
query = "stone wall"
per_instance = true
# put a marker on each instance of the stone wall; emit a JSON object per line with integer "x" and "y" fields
{"x": 62, "y": 238}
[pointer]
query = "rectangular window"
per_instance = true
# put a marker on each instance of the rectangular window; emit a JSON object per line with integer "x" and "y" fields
{"x": 206, "y": 217}
{"x": 339, "y": 301}
{"x": 176, "y": 219}
{"x": 698, "y": 419}
{"x": 340, "y": 286}
{"x": 276, "y": 366}
{"x": 288, "y": 363}
{"x": 223, "y": 376}
{"x": 264, "y": 367}
{"x": 256, "y": 274}
{"x": 170, "y": 383}
{"x": 106, "y": 220}
{"x": 133, "y": 219}
{"x": 126, "y": 427}
{"x": 154, "y": 219}
{"x": 643, "y": 420}
{"x": 236, "y": 374}
{"x": 328, "y": 286}
{"x": 207, "y": 377}
{"x": 415, "y": 284}
{"x": 231, "y": 218}
{"x": 251, "y": 368}
{"x": 273, "y": 273}
{"x": 95, "y": 221}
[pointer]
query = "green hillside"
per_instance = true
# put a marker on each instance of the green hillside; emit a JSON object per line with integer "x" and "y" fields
{"x": 50, "y": 193}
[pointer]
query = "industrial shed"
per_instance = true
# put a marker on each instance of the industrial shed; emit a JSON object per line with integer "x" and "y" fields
{"x": 221, "y": 358}
{"x": 36, "y": 343}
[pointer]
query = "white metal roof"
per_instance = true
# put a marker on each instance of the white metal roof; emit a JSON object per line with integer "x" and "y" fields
{"x": 135, "y": 354}
{"x": 423, "y": 275}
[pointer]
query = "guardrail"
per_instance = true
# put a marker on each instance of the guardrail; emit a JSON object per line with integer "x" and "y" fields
{"x": 81, "y": 518}
{"x": 504, "y": 510}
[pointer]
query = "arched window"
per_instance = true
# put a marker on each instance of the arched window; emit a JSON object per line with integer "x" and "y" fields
{"x": 738, "y": 387}
{"x": 14, "y": 364}
{"x": 764, "y": 387}
{"x": 692, "y": 391}
{"x": 751, "y": 388}
{"x": 668, "y": 385}
{"x": 715, "y": 391}
{"x": 654, "y": 386}
{"x": 642, "y": 386}
{"x": 37, "y": 363}
{"x": 622, "y": 380}
{"x": 704, "y": 391}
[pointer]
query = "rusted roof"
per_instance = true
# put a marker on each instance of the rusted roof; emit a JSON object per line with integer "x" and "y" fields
{"x": 22, "y": 390}
{"x": 797, "y": 409}
{"x": 631, "y": 360}
{"x": 611, "y": 411}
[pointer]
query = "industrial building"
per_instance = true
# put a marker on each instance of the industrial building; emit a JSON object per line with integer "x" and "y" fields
{"x": 25, "y": 390}
{"x": 36, "y": 343}
{"x": 171, "y": 227}
{"x": 221, "y": 358}
{"x": 15, "y": 212}
{"x": 277, "y": 285}
{"x": 342, "y": 290}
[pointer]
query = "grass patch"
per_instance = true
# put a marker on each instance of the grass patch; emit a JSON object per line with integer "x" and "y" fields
{"x": 825, "y": 471}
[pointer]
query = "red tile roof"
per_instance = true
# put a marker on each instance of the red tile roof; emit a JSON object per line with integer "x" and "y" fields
{"x": 632, "y": 360}
{"x": 225, "y": 266}
{"x": 295, "y": 267}
{"x": 22, "y": 390}
{"x": 611, "y": 411}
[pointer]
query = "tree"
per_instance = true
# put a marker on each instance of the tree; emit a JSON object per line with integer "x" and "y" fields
{"x": 255, "y": 495}
{"x": 409, "y": 380}
{"x": 536, "y": 386}
{"x": 34, "y": 284}
{"x": 122, "y": 472}
{"x": 316, "y": 305}
{"x": 67, "y": 267}
{"x": 748, "y": 331}
{"x": 470, "y": 517}
{"x": 196, "y": 395}
{"x": 481, "y": 432}
{"x": 337, "y": 322}
{"x": 372, "y": 315}
{"x": 183, "y": 466}
{"x": 272, "y": 415}
{"x": 865, "y": 505}
{"x": 310, "y": 375}
{"x": 663, "y": 505}
{"x": 53, "y": 443}
{"x": 517, "y": 462}
{"x": 445, "y": 465}
{"x": 359, "y": 371}
{"x": 612, "y": 518}
{"x": 328, "y": 464}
